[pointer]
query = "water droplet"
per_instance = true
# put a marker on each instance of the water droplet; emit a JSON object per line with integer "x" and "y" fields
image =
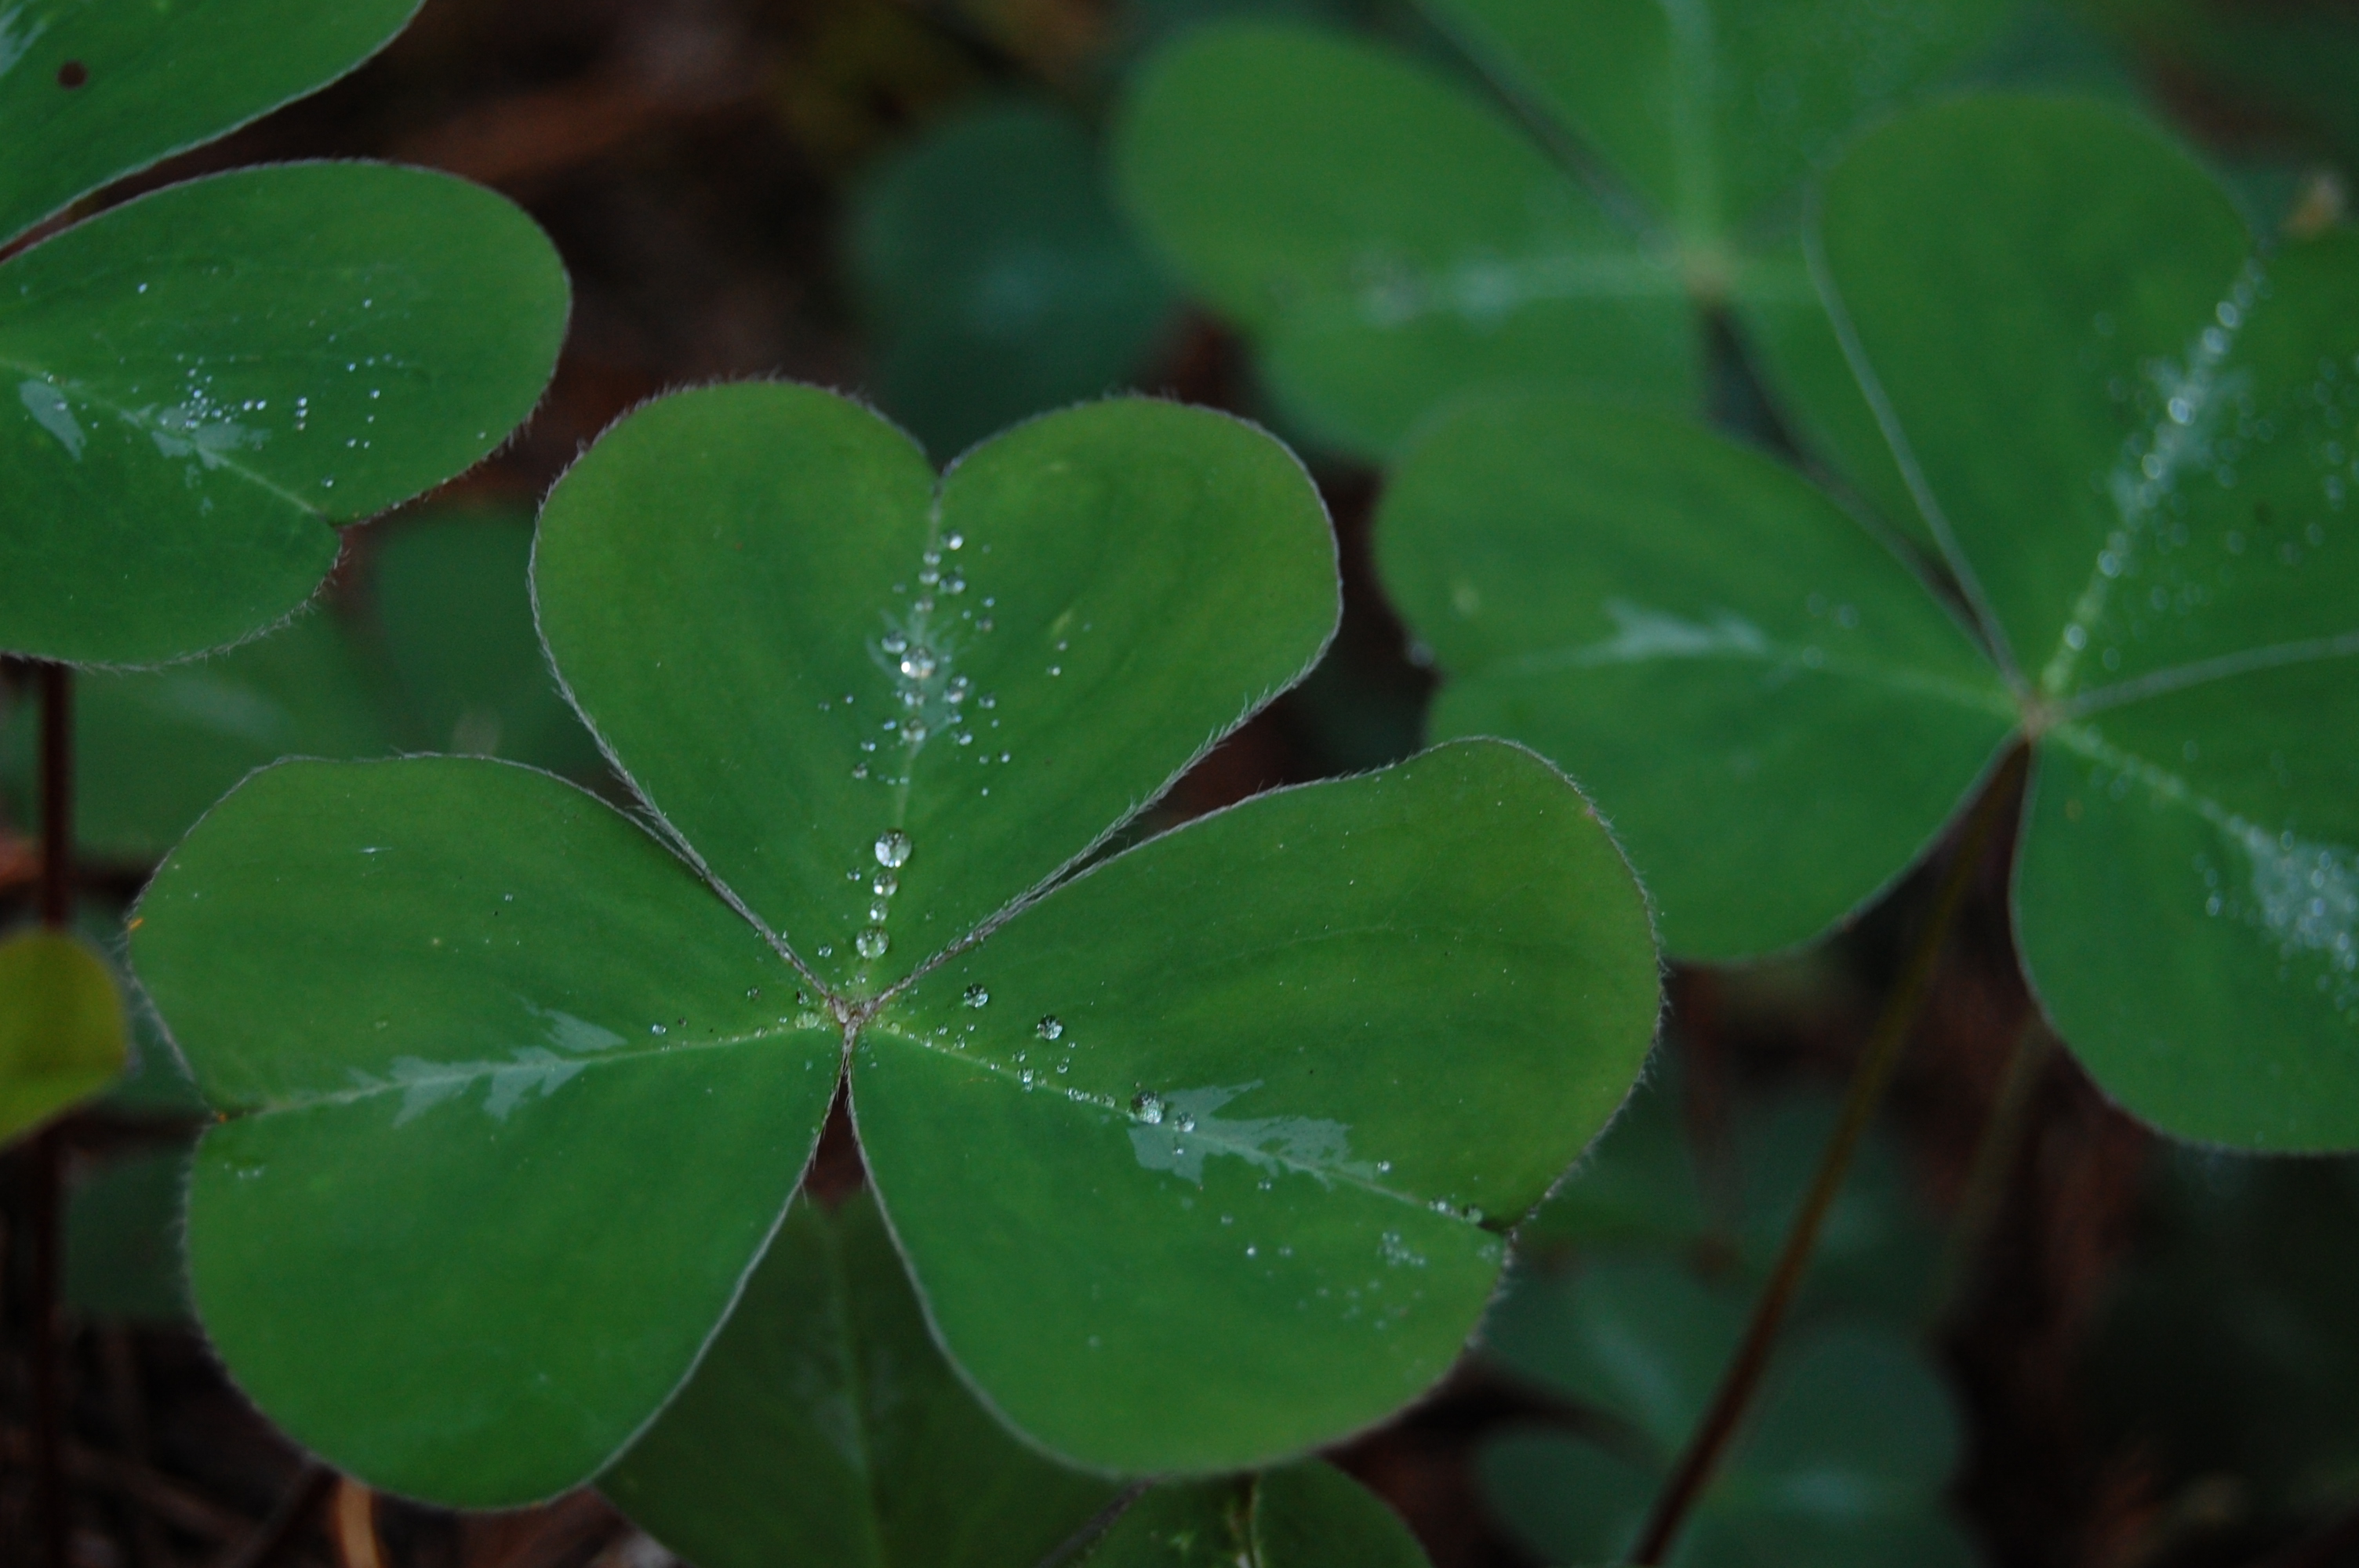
{"x": 984, "y": 625}
{"x": 892, "y": 848}
{"x": 885, "y": 885}
{"x": 917, "y": 664}
{"x": 859, "y": 770}
{"x": 1384, "y": 1165}
{"x": 752, "y": 993}
{"x": 958, "y": 689}
{"x": 954, "y": 584}
{"x": 1185, "y": 1123}
{"x": 825, "y": 951}
{"x": 871, "y": 943}
{"x": 1056, "y": 669}
{"x": 975, "y": 995}
{"x": 988, "y": 699}
{"x": 1147, "y": 1108}
{"x": 656, "y": 1029}
{"x": 878, "y": 910}
{"x": 955, "y": 542}
{"x": 1048, "y": 1028}
{"x": 895, "y": 642}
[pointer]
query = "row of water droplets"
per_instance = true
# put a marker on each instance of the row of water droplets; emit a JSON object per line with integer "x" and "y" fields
{"x": 2181, "y": 433}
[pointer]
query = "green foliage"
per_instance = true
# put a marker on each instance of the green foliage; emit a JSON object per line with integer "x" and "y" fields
{"x": 201, "y": 383}
{"x": 62, "y": 1035}
{"x": 998, "y": 279}
{"x": 1308, "y": 1515}
{"x": 487, "y": 1044}
{"x": 2130, "y": 437}
{"x": 825, "y": 1373}
{"x": 1628, "y": 1298}
{"x": 441, "y": 655}
{"x": 1391, "y": 237}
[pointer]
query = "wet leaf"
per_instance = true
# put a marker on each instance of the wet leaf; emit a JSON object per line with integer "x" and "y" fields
{"x": 996, "y": 274}
{"x": 1703, "y": 637}
{"x": 1295, "y": 1014}
{"x": 2166, "y": 562}
{"x": 89, "y": 93}
{"x": 1391, "y": 238}
{"x": 202, "y": 383}
{"x": 825, "y": 1373}
{"x": 485, "y": 1045}
{"x": 62, "y": 1027}
{"x": 2132, "y": 438}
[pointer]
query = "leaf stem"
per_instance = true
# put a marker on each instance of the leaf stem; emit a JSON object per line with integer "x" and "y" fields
{"x": 1071, "y": 1548}
{"x": 1742, "y": 1376}
{"x": 56, "y": 794}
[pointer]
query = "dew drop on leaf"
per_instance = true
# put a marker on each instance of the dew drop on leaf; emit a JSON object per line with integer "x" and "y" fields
{"x": 1048, "y": 1028}
{"x": 1148, "y": 1109}
{"x": 871, "y": 943}
{"x": 892, "y": 848}
{"x": 975, "y": 995}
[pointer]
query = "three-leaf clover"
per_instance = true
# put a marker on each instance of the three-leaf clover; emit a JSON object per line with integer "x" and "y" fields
{"x": 2132, "y": 436}
{"x": 1196, "y": 1152}
{"x": 198, "y": 385}
{"x": 1391, "y": 236}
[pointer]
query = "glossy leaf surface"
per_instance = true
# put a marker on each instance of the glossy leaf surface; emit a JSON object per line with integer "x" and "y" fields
{"x": 1195, "y": 1064}
{"x": 1130, "y": 581}
{"x": 1701, "y": 637}
{"x": 62, "y": 1035}
{"x": 2168, "y": 556}
{"x": 999, "y": 279}
{"x": 493, "y": 1007}
{"x": 89, "y": 93}
{"x": 824, "y": 1428}
{"x": 1181, "y": 559}
{"x": 201, "y": 384}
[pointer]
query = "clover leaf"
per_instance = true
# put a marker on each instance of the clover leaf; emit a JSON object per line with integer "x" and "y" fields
{"x": 2132, "y": 436}
{"x": 825, "y": 1373}
{"x": 62, "y": 1031}
{"x": 197, "y": 385}
{"x": 1392, "y": 237}
{"x": 1188, "y": 1151}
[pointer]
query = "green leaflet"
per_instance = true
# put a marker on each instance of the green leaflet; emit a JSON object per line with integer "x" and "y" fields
{"x": 881, "y": 716}
{"x": 2132, "y": 440}
{"x": 1704, "y": 638}
{"x": 1393, "y": 239}
{"x": 996, "y": 274}
{"x": 1308, "y": 1515}
{"x": 1844, "y": 1462}
{"x": 62, "y": 1035}
{"x": 196, "y": 387}
{"x": 826, "y": 1374}
{"x": 89, "y": 93}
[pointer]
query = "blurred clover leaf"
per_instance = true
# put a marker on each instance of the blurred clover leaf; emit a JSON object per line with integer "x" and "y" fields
{"x": 123, "y": 1238}
{"x": 825, "y": 1372}
{"x": 2132, "y": 436}
{"x": 1307, "y": 1515}
{"x": 198, "y": 385}
{"x": 1189, "y": 1153}
{"x": 998, "y": 279}
{"x": 1844, "y": 1463}
{"x": 63, "y": 1036}
{"x": 444, "y": 658}
{"x": 1390, "y": 235}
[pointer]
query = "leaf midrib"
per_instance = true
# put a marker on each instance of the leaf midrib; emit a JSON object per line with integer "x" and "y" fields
{"x": 466, "y": 1080}
{"x": 1252, "y": 1152}
{"x": 137, "y": 422}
